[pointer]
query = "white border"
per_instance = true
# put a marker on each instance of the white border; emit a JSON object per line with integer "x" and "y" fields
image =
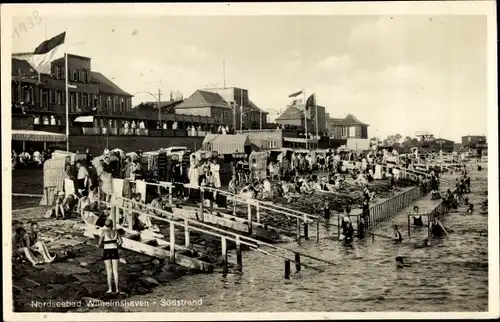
{"x": 379, "y": 8}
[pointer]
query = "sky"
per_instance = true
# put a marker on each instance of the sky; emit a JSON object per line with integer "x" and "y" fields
{"x": 400, "y": 74}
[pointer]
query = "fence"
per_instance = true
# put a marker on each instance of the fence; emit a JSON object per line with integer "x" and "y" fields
{"x": 439, "y": 210}
{"x": 224, "y": 235}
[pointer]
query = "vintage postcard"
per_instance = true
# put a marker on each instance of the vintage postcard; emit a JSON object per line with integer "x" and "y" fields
{"x": 241, "y": 161}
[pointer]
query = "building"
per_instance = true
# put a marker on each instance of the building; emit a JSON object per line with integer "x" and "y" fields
{"x": 474, "y": 142}
{"x": 441, "y": 144}
{"x": 348, "y": 127}
{"x": 39, "y": 112}
{"x": 294, "y": 115}
{"x": 253, "y": 116}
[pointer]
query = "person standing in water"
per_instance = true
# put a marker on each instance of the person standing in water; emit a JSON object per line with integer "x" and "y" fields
{"x": 110, "y": 239}
{"x": 417, "y": 217}
{"x": 397, "y": 237}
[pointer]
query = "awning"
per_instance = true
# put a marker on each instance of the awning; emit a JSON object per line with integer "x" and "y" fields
{"x": 84, "y": 119}
{"x": 229, "y": 144}
{"x": 37, "y": 136}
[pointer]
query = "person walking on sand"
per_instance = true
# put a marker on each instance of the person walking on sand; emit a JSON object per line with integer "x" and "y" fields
{"x": 110, "y": 239}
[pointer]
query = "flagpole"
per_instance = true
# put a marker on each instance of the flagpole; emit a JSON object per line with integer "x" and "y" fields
{"x": 305, "y": 115}
{"x": 67, "y": 98}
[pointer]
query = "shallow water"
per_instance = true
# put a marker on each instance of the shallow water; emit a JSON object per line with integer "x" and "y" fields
{"x": 451, "y": 276}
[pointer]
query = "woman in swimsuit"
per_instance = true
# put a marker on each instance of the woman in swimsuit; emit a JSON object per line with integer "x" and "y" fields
{"x": 417, "y": 217}
{"x": 111, "y": 239}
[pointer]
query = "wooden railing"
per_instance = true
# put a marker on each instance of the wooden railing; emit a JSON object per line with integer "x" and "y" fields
{"x": 224, "y": 235}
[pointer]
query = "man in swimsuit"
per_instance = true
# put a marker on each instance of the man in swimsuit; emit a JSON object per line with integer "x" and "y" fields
{"x": 110, "y": 239}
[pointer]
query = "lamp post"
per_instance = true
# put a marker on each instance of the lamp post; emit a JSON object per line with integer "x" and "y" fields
{"x": 157, "y": 99}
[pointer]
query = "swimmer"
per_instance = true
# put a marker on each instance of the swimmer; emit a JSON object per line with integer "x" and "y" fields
{"x": 470, "y": 209}
{"x": 417, "y": 217}
{"x": 423, "y": 244}
{"x": 397, "y": 237}
{"x": 400, "y": 262}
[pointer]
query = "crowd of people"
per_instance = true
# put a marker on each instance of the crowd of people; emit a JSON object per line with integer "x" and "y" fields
{"x": 30, "y": 158}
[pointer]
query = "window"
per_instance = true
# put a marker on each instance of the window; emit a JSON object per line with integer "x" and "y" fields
{"x": 58, "y": 97}
{"x": 113, "y": 104}
{"x": 72, "y": 101}
{"x": 85, "y": 99}
{"x": 63, "y": 75}
{"x": 122, "y": 104}
{"x": 95, "y": 101}
{"x": 58, "y": 72}
{"x": 19, "y": 72}
{"x": 344, "y": 132}
{"x": 85, "y": 76}
{"x": 108, "y": 102}
{"x": 52, "y": 96}
{"x": 469, "y": 139}
{"x": 352, "y": 131}
{"x": 75, "y": 75}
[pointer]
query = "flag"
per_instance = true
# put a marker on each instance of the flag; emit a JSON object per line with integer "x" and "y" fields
{"x": 311, "y": 102}
{"x": 46, "y": 52}
{"x": 295, "y": 94}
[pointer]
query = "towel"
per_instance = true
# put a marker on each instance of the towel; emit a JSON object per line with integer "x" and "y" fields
{"x": 69, "y": 186}
{"x": 140, "y": 187}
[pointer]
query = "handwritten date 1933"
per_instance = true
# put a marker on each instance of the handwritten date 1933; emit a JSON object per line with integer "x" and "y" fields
{"x": 28, "y": 24}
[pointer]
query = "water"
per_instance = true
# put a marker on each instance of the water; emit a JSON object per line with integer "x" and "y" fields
{"x": 451, "y": 276}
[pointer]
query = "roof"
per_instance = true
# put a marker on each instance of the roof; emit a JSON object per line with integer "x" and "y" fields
{"x": 334, "y": 121}
{"x": 352, "y": 120}
{"x": 105, "y": 85}
{"x": 165, "y": 104}
{"x": 227, "y": 144}
{"x": 349, "y": 120}
{"x": 251, "y": 106}
{"x": 25, "y": 67}
{"x": 291, "y": 113}
{"x": 209, "y": 138}
{"x": 37, "y": 136}
{"x": 202, "y": 98}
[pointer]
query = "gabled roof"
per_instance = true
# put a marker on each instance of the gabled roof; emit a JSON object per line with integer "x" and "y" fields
{"x": 334, "y": 121}
{"x": 291, "y": 113}
{"x": 352, "y": 120}
{"x": 202, "y": 98}
{"x": 105, "y": 85}
{"x": 349, "y": 120}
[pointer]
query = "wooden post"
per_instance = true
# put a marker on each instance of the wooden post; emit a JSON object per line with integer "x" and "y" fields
{"x": 409, "y": 227}
{"x": 287, "y": 269}
{"x": 338, "y": 226}
{"x": 172, "y": 242}
{"x": 202, "y": 197}
{"x": 298, "y": 230}
{"x": 224, "y": 256}
{"x": 306, "y": 228}
{"x": 114, "y": 210}
{"x": 187, "y": 242}
{"x": 130, "y": 215}
{"x": 249, "y": 207}
{"x": 257, "y": 211}
{"x": 170, "y": 194}
{"x": 317, "y": 231}
{"x": 239, "y": 257}
{"x": 297, "y": 262}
